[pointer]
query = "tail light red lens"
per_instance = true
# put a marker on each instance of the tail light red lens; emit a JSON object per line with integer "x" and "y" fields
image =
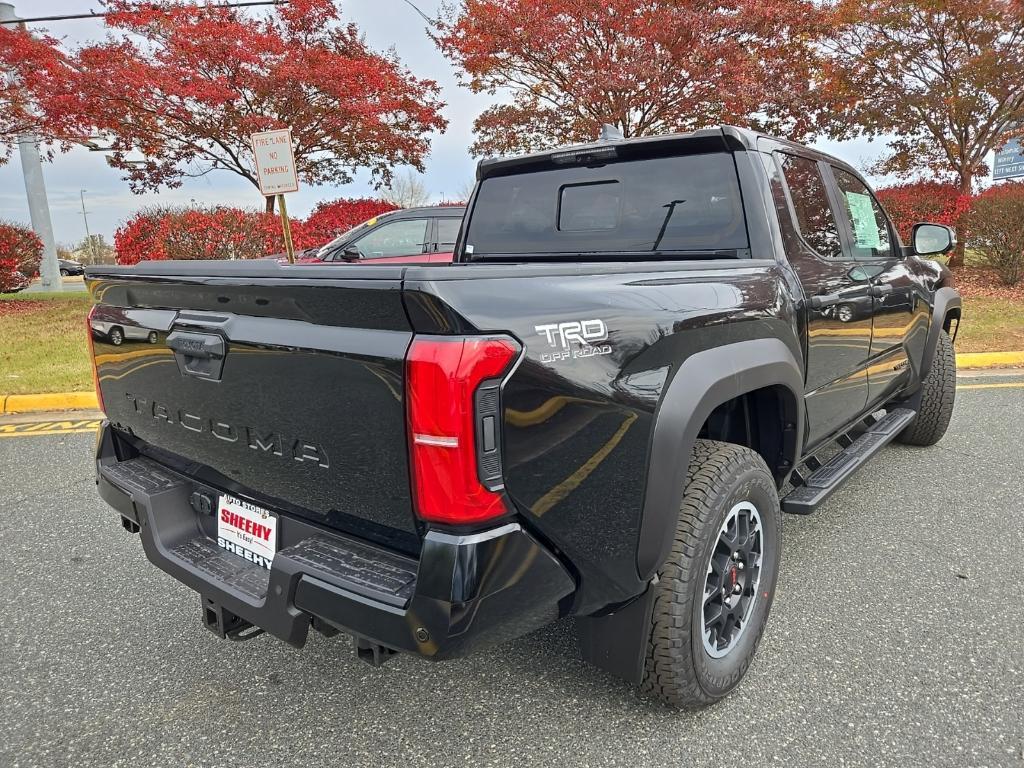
{"x": 442, "y": 375}
{"x": 92, "y": 358}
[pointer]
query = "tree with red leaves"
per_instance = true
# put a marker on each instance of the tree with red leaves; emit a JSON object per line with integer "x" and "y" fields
{"x": 32, "y": 65}
{"x": 946, "y": 79}
{"x": 649, "y": 67}
{"x": 179, "y": 88}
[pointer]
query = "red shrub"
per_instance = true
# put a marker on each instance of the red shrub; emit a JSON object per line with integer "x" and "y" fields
{"x": 166, "y": 232}
{"x": 138, "y": 239}
{"x": 996, "y": 222}
{"x": 931, "y": 201}
{"x": 20, "y": 253}
{"x": 330, "y": 219}
{"x": 175, "y": 232}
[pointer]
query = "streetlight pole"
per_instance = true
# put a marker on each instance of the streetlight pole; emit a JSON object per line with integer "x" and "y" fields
{"x": 88, "y": 237}
{"x": 35, "y": 191}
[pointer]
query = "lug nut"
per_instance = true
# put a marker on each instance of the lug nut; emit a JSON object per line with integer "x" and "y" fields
{"x": 422, "y": 635}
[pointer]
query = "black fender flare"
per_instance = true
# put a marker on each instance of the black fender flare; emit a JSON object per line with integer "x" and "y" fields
{"x": 947, "y": 300}
{"x": 704, "y": 381}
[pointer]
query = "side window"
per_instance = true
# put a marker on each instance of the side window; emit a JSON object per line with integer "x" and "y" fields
{"x": 447, "y": 233}
{"x": 810, "y": 201}
{"x": 868, "y": 224}
{"x": 398, "y": 238}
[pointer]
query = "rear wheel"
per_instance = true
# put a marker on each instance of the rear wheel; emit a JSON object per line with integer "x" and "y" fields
{"x": 65, "y": 273}
{"x": 939, "y": 392}
{"x": 715, "y": 590}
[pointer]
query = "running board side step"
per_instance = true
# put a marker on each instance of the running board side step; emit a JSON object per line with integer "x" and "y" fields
{"x": 827, "y": 478}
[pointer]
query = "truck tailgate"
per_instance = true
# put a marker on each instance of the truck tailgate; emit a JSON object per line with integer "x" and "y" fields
{"x": 270, "y": 387}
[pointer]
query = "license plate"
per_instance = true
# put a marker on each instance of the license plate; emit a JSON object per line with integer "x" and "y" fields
{"x": 247, "y": 530}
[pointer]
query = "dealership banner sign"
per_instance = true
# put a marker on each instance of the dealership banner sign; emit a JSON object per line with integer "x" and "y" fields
{"x": 1009, "y": 161}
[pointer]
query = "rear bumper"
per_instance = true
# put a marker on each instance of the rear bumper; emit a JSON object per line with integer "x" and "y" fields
{"x": 462, "y": 592}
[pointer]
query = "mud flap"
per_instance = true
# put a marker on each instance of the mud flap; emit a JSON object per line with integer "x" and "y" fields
{"x": 617, "y": 642}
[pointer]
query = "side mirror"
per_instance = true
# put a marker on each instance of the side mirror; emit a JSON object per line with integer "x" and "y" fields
{"x": 351, "y": 253}
{"x": 933, "y": 239}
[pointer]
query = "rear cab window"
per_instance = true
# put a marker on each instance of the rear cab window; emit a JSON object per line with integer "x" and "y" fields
{"x": 814, "y": 216}
{"x": 686, "y": 206}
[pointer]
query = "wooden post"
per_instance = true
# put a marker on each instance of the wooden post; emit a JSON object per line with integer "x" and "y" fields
{"x": 287, "y": 227}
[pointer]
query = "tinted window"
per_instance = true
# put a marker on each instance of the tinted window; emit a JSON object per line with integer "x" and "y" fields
{"x": 447, "y": 233}
{"x": 810, "y": 201}
{"x": 671, "y": 204}
{"x": 398, "y": 238}
{"x": 583, "y": 207}
{"x": 867, "y": 221}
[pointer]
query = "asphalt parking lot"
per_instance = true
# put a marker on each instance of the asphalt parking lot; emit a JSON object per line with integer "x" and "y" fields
{"x": 897, "y": 638}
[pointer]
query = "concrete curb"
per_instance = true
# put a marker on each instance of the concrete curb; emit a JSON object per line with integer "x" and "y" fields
{"x": 971, "y": 360}
{"x": 77, "y": 401}
{"x": 54, "y": 401}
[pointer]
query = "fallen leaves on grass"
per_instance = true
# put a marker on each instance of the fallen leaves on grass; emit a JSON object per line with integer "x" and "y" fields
{"x": 11, "y": 308}
{"x": 980, "y": 282}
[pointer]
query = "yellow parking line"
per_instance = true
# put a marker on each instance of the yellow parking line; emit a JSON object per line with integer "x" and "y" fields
{"x": 49, "y": 432}
{"x": 999, "y": 385}
{"x": 36, "y": 428}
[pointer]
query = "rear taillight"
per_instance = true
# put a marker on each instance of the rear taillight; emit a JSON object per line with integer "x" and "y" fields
{"x": 92, "y": 358}
{"x": 454, "y": 424}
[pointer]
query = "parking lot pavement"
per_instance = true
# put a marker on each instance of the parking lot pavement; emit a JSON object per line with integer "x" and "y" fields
{"x": 70, "y": 284}
{"x": 897, "y": 638}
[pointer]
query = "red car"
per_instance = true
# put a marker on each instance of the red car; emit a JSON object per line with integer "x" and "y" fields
{"x": 408, "y": 235}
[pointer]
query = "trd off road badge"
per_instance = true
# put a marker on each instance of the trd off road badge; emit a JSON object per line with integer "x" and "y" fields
{"x": 574, "y": 339}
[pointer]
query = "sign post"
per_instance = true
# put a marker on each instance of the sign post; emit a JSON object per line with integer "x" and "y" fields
{"x": 286, "y": 225}
{"x": 276, "y": 174}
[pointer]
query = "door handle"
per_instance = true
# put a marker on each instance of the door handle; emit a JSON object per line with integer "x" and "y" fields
{"x": 200, "y": 345}
{"x": 826, "y": 300}
{"x": 198, "y": 354}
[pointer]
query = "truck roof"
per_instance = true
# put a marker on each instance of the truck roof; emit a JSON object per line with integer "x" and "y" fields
{"x": 719, "y": 138}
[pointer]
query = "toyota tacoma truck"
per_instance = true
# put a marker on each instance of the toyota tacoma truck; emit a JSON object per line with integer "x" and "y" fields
{"x": 599, "y": 410}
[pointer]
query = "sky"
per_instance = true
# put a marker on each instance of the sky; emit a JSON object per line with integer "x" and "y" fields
{"x": 385, "y": 23}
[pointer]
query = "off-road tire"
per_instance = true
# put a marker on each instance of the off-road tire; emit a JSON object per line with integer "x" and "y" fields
{"x": 678, "y": 670}
{"x": 937, "y": 396}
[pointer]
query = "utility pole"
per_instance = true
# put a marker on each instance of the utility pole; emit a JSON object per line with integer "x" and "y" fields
{"x": 35, "y": 191}
{"x": 88, "y": 237}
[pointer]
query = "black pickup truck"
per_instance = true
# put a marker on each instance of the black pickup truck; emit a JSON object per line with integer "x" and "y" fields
{"x": 643, "y": 353}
